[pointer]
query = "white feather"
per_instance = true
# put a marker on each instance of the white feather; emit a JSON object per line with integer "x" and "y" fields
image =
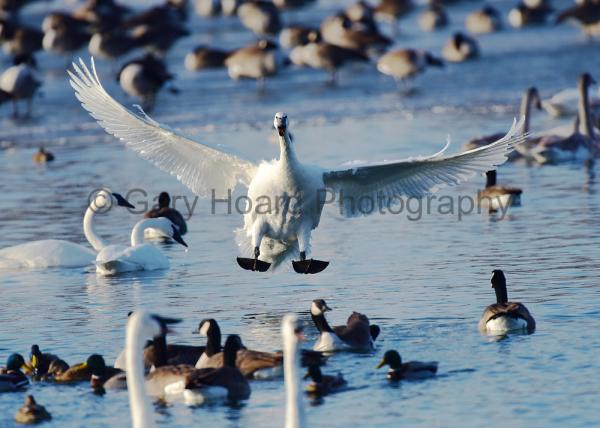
{"x": 504, "y": 324}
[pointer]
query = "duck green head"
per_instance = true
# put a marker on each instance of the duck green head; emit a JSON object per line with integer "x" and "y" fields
{"x": 96, "y": 364}
{"x": 15, "y": 362}
{"x": 391, "y": 358}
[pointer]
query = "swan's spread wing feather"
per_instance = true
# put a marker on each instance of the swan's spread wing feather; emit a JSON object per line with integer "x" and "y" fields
{"x": 364, "y": 189}
{"x": 199, "y": 166}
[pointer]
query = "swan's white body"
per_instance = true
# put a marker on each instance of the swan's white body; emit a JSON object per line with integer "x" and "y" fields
{"x": 115, "y": 259}
{"x": 294, "y": 409}
{"x": 59, "y": 253}
{"x": 565, "y": 102}
{"x": 287, "y": 225}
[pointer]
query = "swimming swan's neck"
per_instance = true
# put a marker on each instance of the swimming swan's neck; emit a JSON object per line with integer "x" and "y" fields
{"x": 294, "y": 412}
{"x": 137, "y": 233}
{"x": 89, "y": 230}
{"x": 525, "y": 110}
{"x": 141, "y": 408}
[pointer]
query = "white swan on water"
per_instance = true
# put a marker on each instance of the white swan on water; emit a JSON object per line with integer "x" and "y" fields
{"x": 296, "y": 192}
{"x": 115, "y": 259}
{"x": 60, "y": 253}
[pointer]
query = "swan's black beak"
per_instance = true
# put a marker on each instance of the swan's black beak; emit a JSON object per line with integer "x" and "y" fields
{"x": 122, "y": 202}
{"x": 165, "y": 322}
{"x": 177, "y": 237}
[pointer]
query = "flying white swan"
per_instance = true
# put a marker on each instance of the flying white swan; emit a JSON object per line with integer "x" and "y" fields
{"x": 59, "y": 253}
{"x": 115, "y": 259}
{"x": 294, "y": 193}
{"x": 291, "y": 329}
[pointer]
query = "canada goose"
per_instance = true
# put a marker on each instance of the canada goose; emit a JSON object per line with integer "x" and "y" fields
{"x": 523, "y": 15}
{"x": 405, "y": 64}
{"x": 102, "y": 13}
{"x": 530, "y": 98}
{"x": 207, "y": 8}
{"x": 158, "y": 38}
{"x": 163, "y": 210}
{"x": 111, "y": 45}
{"x": 32, "y": 412}
{"x": 42, "y": 156}
{"x": 291, "y": 333}
{"x": 203, "y": 57}
{"x": 496, "y": 197}
{"x": 143, "y": 77}
{"x": 484, "y": 20}
{"x": 412, "y": 370}
{"x": 82, "y": 372}
{"x": 191, "y": 381}
{"x": 325, "y": 56}
{"x": 392, "y": 10}
{"x": 339, "y": 30}
{"x": 41, "y": 362}
{"x": 582, "y": 144}
{"x": 356, "y": 335}
{"x": 295, "y": 35}
{"x": 63, "y": 21}
{"x": 323, "y": 384}
{"x": 433, "y": 18}
{"x": 12, "y": 378}
{"x": 257, "y": 61}
{"x": 460, "y": 47}
{"x": 19, "y": 83}
{"x": 64, "y": 34}
{"x": 361, "y": 15}
{"x": 19, "y": 40}
{"x": 100, "y": 372}
{"x": 253, "y": 364}
{"x": 504, "y": 316}
{"x": 261, "y": 17}
{"x": 587, "y": 13}
{"x": 172, "y": 13}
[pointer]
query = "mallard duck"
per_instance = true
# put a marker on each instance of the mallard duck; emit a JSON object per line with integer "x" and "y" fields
{"x": 323, "y": 384}
{"x": 43, "y": 362}
{"x": 32, "y": 412}
{"x": 495, "y": 197}
{"x": 12, "y": 378}
{"x": 412, "y": 370}
{"x": 42, "y": 156}
{"x": 357, "y": 334}
{"x": 504, "y": 316}
{"x": 83, "y": 371}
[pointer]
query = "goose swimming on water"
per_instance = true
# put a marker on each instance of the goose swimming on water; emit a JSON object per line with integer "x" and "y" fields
{"x": 300, "y": 189}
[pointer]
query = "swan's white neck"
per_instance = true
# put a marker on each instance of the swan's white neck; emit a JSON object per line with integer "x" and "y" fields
{"x": 137, "y": 233}
{"x": 294, "y": 410}
{"x": 89, "y": 231}
{"x": 141, "y": 408}
{"x": 286, "y": 151}
{"x": 525, "y": 110}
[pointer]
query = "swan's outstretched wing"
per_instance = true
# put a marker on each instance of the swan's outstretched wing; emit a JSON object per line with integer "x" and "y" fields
{"x": 364, "y": 189}
{"x": 200, "y": 167}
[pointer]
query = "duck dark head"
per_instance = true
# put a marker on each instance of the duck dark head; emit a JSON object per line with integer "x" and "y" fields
{"x": 15, "y": 362}
{"x": 319, "y": 307}
{"x": 96, "y": 364}
{"x": 314, "y": 373}
{"x": 391, "y": 358}
{"x": 280, "y": 122}
{"x": 499, "y": 286}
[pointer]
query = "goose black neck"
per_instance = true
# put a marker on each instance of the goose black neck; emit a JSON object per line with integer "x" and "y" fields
{"x": 230, "y": 352}
{"x": 321, "y": 323}
{"x": 160, "y": 351}
{"x": 490, "y": 178}
{"x": 501, "y": 293}
{"x": 213, "y": 340}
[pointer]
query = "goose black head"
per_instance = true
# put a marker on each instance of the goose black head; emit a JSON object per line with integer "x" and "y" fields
{"x": 499, "y": 286}
{"x": 391, "y": 358}
{"x": 280, "y": 122}
{"x": 319, "y": 307}
{"x": 232, "y": 345}
{"x": 208, "y": 326}
{"x": 164, "y": 200}
{"x": 96, "y": 364}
